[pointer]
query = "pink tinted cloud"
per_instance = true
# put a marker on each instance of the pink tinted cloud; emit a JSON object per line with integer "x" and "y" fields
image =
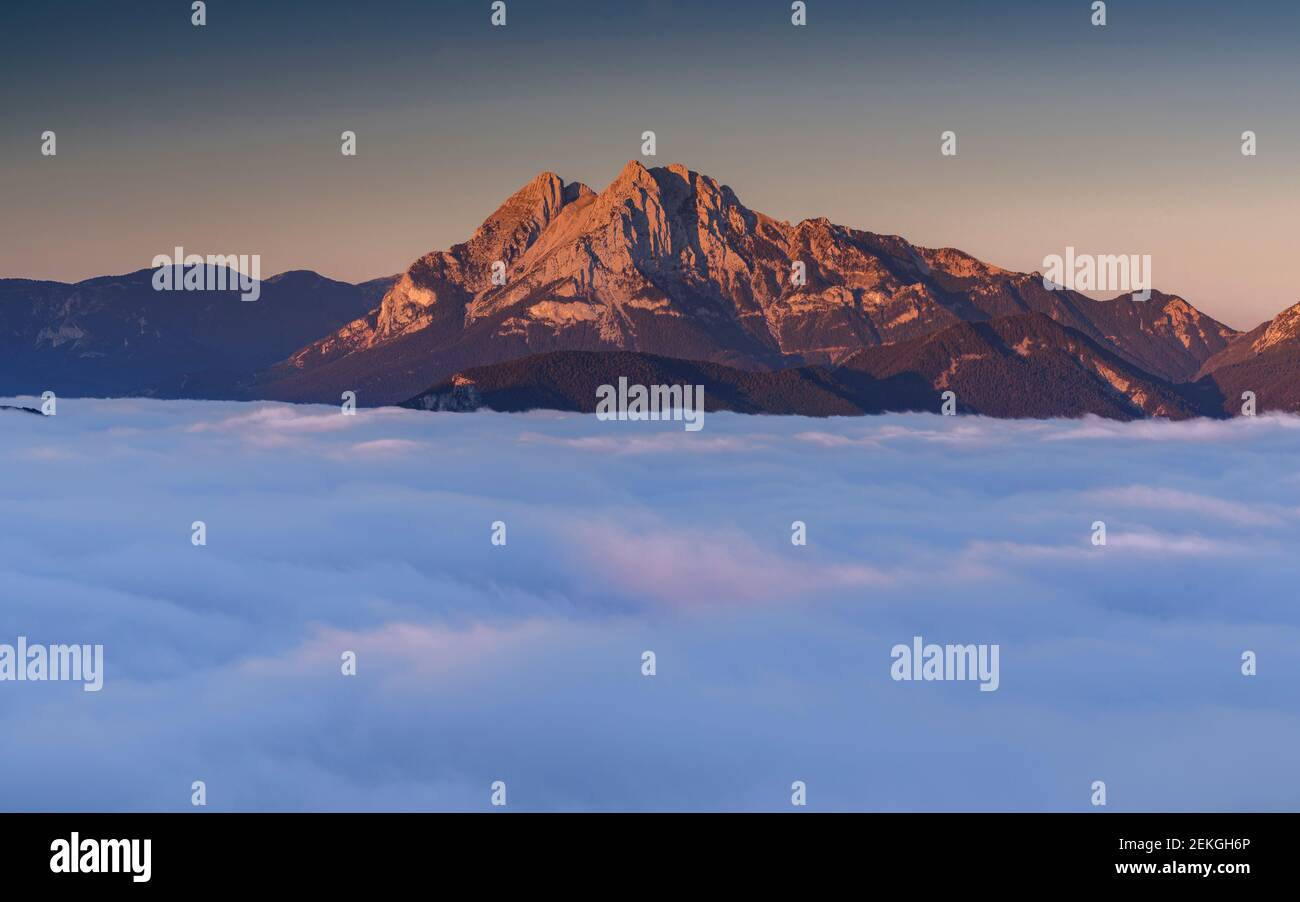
{"x": 696, "y": 568}
{"x": 404, "y": 651}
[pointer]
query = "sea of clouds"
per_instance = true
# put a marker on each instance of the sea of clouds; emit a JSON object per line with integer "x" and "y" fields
{"x": 476, "y": 663}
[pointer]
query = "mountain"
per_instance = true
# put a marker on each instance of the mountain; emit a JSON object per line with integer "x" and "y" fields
{"x": 116, "y": 335}
{"x": 668, "y": 262}
{"x": 1029, "y": 365}
{"x": 668, "y": 273}
{"x": 1026, "y": 365}
{"x": 1279, "y": 333}
{"x": 1265, "y": 360}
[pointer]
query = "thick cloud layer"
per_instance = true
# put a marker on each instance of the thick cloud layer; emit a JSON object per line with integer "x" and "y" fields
{"x": 522, "y": 663}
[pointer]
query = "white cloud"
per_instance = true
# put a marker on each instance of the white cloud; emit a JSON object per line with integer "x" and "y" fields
{"x": 1141, "y": 496}
{"x": 371, "y": 534}
{"x": 1237, "y": 429}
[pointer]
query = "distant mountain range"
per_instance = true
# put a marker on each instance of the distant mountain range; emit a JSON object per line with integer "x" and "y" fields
{"x": 664, "y": 277}
{"x": 117, "y": 336}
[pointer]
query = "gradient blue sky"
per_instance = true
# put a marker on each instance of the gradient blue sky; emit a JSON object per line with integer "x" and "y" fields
{"x": 522, "y": 663}
{"x": 1123, "y": 139}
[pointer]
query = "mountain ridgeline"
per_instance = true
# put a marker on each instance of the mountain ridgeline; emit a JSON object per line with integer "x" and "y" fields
{"x": 664, "y": 277}
{"x": 115, "y": 336}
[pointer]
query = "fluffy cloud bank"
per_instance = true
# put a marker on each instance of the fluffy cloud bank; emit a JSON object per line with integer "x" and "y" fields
{"x": 479, "y": 662}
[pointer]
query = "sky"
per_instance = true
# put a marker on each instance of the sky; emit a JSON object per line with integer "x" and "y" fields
{"x": 522, "y": 662}
{"x": 226, "y": 138}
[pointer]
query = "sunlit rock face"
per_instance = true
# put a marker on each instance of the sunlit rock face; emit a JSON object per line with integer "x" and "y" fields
{"x": 668, "y": 261}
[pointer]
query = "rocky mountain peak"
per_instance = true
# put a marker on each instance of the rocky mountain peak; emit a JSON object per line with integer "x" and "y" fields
{"x": 1284, "y": 327}
{"x": 666, "y": 260}
{"x": 632, "y": 176}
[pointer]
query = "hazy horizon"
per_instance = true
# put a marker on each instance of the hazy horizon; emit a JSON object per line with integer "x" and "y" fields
{"x": 225, "y": 138}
